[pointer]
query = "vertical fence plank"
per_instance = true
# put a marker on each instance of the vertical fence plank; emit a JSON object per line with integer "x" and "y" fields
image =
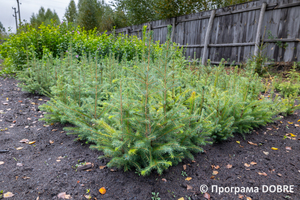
{"x": 207, "y": 36}
{"x": 259, "y": 28}
{"x": 173, "y": 29}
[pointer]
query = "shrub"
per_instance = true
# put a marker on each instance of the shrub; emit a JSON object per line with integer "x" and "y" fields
{"x": 150, "y": 112}
{"x": 59, "y": 39}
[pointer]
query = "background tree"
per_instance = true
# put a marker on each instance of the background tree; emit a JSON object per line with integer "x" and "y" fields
{"x": 2, "y": 29}
{"x": 137, "y": 11}
{"x": 89, "y": 13}
{"x": 141, "y": 11}
{"x": 44, "y": 17}
{"x": 113, "y": 18}
{"x": 71, "y": 12}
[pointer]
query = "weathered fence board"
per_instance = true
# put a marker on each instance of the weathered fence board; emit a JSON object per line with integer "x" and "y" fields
{"x": 235, "y": 31}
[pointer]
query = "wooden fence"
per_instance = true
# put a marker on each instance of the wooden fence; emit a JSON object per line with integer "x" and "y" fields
{"x": 235, "y": 32}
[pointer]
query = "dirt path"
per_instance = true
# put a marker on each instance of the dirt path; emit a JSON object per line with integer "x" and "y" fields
{"x": 49, "y": 167}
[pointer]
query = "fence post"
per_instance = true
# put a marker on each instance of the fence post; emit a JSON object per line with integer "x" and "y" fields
{"x": 259, "y": 27}
{"x": 127, "y": 31}
{"x": 207, "y": 36}
{"x": 173, "y": 29}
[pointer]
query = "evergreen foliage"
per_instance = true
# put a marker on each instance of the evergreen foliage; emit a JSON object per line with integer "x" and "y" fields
{"x": 88, "y": 14}
{"x": 71, "y": 12}
{"x": 45, "y": 17}
{"x": 150, "y": 112}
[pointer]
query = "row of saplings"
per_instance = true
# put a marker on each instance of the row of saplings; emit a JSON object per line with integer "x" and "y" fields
{"x": 152, "y": 111}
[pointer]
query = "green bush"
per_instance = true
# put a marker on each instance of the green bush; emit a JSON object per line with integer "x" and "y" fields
{"x": 60, "y": 39}
{"x": 290, "y": 86}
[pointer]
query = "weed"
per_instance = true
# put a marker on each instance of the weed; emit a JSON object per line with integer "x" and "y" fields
{"x": 155, "y": 196}
{"x": 183, "y": 173}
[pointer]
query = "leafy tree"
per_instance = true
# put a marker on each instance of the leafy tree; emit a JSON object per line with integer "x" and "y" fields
{"x": 141, "y": 11}
{"x": 44, "y": 17}
{"x": 113, "y": 18}
{"x": 137, "y": 11}
{"x": 71, "y": 12}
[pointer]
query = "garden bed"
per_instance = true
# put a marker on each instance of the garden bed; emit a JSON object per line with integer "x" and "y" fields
{"x": 49, "y": 165}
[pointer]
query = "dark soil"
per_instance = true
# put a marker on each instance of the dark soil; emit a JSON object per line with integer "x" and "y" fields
{"x": 49, "y": 169}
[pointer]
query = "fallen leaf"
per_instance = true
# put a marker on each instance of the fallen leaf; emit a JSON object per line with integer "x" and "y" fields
{"x": 87, "y": 196}
{"x": 212, "y": 177}
{"x": 188, "y": 178}
{"x": 40, "y": 99}
{"x": 20, "y": 101}
{"x": 193, "y": 161}
{"x": 279, "y": 174}
{"x": 102, "y": 167}
{"x": 19, "y": 148}
{"x": 184, "y": 167}
{"x": 292, "y": 135}
{"x": 262, "y": 173}
{"x": 253, "y": 163}
{"x": 269, "y": 129}
{"x": 19, "y": 164}
{"x": 215, "y": 173}
{"x": 206, "y": 195}
{"x": 8, "y": 195}
{"x": 1, "y": 162}
{"x": 53, "y": 130}
{"x": 266, "y": 153}
{"x": 25, "y": 177}
{"x": 298, "y": 120}
{"x": 290, "y": 122}
{"x": 249, "y": 198}
{"x": 51, "y": 141}
{"x": 37, "y": 198}
{"x": 58, "y": 160}
{"x": 188, "y": 187}
{"x": 241, "y": 196}
{"x": 228, "y": 166}
{"x": 288, "y": 148}
{"x": 112, "y": 170}
{"x": 247, "y": 165}
{"x": 238, "y": 142}
{"x": 164, "y": 180}
{"x": 102, "y": 190}
{"x": 5, "y": 104}
{"x": 274, "y": 148}
{"x": 31, "y": 142}
{"x": 181, "y": 198}
{"x": 217, "y": 167}
{"x": 297, "y": 125}
{"x": 252, "y": 143}
{"x": 60, "y": 157}
{"x": 63, "y": 195}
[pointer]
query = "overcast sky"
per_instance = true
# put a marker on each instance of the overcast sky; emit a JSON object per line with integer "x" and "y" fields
{"x": 28, "y": 7}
